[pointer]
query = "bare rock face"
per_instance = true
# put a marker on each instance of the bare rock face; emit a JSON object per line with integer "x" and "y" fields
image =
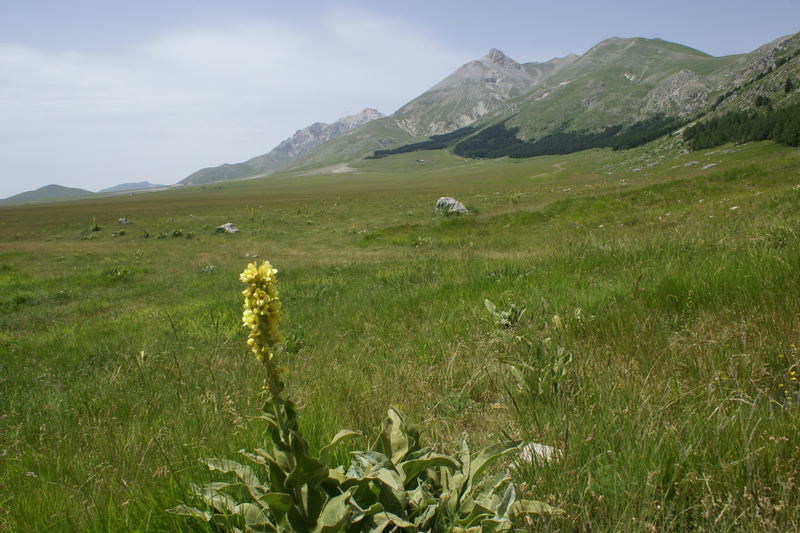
{"x": 450, "y": 206}
{"x": 474, "y": 90}
{"x": 228, "y": 227}
{"x": 319, "y": 132}
{"x": 681, "y": 93}
{"x": 763, "y": 59}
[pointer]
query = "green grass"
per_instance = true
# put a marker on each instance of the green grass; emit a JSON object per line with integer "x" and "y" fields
{"x": 122, "y": 359}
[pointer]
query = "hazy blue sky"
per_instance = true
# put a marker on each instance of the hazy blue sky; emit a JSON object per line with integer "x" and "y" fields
{"x": 95, "y": 93}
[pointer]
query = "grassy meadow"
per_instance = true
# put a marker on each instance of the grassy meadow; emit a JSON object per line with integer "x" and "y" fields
{"x": 658, "y": 349}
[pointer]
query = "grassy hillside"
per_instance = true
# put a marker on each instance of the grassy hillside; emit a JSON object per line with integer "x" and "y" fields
{"x": 356, "y": 144}
{"x": 620, "y": 81}
{"x": 48, "y": 193}
{"x": 669, "y": 279}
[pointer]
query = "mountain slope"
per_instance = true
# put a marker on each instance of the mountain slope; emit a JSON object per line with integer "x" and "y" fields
{"x": 622, "y": 86}
{"x": 626, "y": 92}
{"x": 356, "y": 144}
{"x": 762, "y": 78}
{"x": 621, "y": 81}
{"x": 132, "y": 186}
{"x": 477, "y": 89}
{"x": 474, "y": 90}
{"x": 298, "y": 144}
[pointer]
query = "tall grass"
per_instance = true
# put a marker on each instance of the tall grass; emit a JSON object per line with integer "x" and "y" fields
{"x": 121, "y": 358}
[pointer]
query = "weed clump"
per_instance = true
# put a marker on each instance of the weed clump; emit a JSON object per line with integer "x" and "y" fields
{"x": 397, "y": 485}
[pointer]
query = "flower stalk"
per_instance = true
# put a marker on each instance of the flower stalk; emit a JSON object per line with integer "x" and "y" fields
{"x": 261, "y": 313}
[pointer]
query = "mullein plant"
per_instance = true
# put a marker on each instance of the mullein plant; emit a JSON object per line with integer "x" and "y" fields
{"x": 397, "y": 485}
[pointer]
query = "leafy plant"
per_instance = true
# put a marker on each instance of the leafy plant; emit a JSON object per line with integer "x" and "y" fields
{"x": 543, "y": 373}
{"x": 397, "y": 485}
{"x": 120, "y": 272}
{"x": 508, "y": 318}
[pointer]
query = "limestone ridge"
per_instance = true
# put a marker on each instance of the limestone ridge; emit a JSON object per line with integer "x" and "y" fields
{"x": 295, "y": 146}
{"x": 476, "y": 89}
{"x": 319, "y": 132}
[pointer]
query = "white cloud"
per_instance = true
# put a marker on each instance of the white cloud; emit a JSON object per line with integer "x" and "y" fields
{"x": 200, "y": 96}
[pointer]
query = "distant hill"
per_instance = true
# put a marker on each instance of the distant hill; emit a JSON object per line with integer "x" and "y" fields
{"x": 298, "y": 144}
{"x": 48, "y": 193}
{"x": 132, "y": 186}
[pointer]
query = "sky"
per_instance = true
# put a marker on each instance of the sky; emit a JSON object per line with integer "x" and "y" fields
{"x": 94, "y": 93}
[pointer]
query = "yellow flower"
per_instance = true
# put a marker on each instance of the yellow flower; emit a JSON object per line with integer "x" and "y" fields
{"x": 261, "y": 308}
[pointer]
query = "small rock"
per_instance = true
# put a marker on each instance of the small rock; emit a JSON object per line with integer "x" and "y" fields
{"x": 710, "y": 165}
{"x": 450, "y": 206}
{"x": 228, "y": 227}
{"x": 123, "y": 220}
{"x": 533, "y": 451}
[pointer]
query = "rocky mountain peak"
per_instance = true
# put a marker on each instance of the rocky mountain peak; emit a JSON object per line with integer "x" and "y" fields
{"x": 496, "y": 58}
{"x": 319, "y": 132}
{"x": 362, "y": 117}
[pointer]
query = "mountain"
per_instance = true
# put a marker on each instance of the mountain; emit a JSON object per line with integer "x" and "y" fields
{"x": 622, "y": 92}
{"x": 48, "y": 193}
{"x": 132, "y": 186}
{"x": 763, "y": 75}
{"x": 621, "y": 81}
{"x": 355, "y": 144}
{"x": 474, "y": 90}
{"x": 298, "y": 144}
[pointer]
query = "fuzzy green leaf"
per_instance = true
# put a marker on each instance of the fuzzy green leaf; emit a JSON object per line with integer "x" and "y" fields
{"x": 185, "y": 510}
{"x": 243, "y": 472}
{"x": 384, "y": 519}
{"x": 523, "y": 507}
{"x": 506, "y": 501}
{"x": 335, "y": 516}
{"x": 398, "y": 437}
{"x": 411, "y": 468}
{"x": 278, "y": 502}
{"x": 215, "y": 499}
{"x": 339, "y": 437}
{"x": 495, "y": 525}
{"x": 252, "y": 514}
{"x": 486, "y": 457}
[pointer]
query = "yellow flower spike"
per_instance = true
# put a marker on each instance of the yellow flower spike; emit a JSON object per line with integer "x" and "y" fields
{"x": 261, "y": 308}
